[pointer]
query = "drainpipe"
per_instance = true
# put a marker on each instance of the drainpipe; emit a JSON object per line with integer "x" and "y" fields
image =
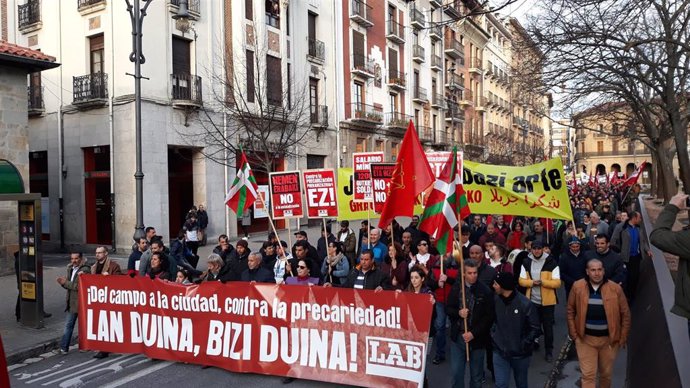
{"x": 111, "y": 129}
{"x": 61, "y": 142}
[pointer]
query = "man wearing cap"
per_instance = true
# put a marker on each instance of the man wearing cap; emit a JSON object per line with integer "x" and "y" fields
{"x": 599, "y": 323}
{"x": 541, "y": 277}
{"x": 347, "y": 237}
{"x": 572, "y": 264}
{"x": 513, "y": 332}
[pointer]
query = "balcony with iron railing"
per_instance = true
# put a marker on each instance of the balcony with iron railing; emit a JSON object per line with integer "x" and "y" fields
{"x": 436, "y": 3}
{"x": 426, "y": 134}
{"x": 418, "y": 53}
{"x": 454, "y": 113}
{"x": 467, "y": 98}
{"x": 420, "y": 95}
{"x": 316, "y": 50}
{"x": 395, "y": 31}
{"x": 480, "y": 103}
{"x": 475, "y": 65}
{"x": 89, "y": 6}
{"x": 435, "y": 32}
{"x": 452, "y": 47}
{"x": 29, "y": 16}
{"x": 365, "y": 113}
{"x": 35, "y": 100}
{"x": 397, "y": 121}
{"x": 186, "y": 90}
{"x": 319, "y": 116}
{"x": 360, "y": 13}
{"x": 436, "y": 62}
{"x": 362, "y": 66}
{"x": 453, "y": 8}
{"x": 396, "y": 80}
{"x": 194, "y": 7}
{"x": 438, "y": 101}
{"x": 90, "y": 90}
{"x": 441, "y": 137}
{"x": 455, "y": 81}
{"x": 417, "y": 19}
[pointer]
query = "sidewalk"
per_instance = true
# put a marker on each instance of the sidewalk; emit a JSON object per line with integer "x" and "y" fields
{"x": 23, "y": 342}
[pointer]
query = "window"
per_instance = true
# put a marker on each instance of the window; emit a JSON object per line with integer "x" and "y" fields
{"x": 361, "y": 145}
{"x": 359, "y": 96}
{"x": 289, "y": 85}
{"x": 395, "y": 147}
{"x": 391, "y": 13}
{"x": 273, "y": 13}
{"x": 181, "y": 56}
{"x": 416, "y": 118}
{"x": 600, "y": 147}
{"x": 249, "y": 9}
{"x": 251, "y": 88}
{"x": 314, "y": 99}
{"x": 311, "y": 26}
{"x": 614, "y": 145}
{"x": 379, "y": 146}
{"x": 392, "y": 100}
{"x": 274, "y": 80}
{"x": 96, "y": 48}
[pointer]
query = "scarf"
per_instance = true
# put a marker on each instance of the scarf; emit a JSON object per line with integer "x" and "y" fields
{"x": 334, "y": 260}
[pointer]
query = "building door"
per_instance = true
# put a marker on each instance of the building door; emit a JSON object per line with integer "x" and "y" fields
{"x": 97, "y": 200}
{"x": 180, "y": 187}
{"x": 314, "y": 99}
{"x": 97, "y": 66}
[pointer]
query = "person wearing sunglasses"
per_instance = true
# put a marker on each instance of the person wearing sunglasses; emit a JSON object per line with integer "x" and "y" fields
{"x": 303, "y": 272}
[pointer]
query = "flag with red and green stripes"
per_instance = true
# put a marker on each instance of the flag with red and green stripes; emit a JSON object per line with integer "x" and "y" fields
{"x": 244, "y": 189}
{"x": 446, "y": 201}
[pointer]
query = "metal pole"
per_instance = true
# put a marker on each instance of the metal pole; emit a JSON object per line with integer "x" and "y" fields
{"x": 137, "y": 15}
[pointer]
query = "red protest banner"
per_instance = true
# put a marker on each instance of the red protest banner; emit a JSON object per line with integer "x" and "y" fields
{"x": 319, "y": 188}
{"x": 381, "y": 174}
{"x": 325, "y": 334}
{"x": 286, "y": 194}
{"x": 438, "y": 158}
{"x": 361, "y": 166}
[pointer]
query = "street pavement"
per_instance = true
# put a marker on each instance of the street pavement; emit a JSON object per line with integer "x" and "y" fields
{"x": 32, "y": 364}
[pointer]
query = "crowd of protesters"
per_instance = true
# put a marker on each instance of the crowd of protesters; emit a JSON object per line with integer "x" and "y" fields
{"x": 511, "y": 268}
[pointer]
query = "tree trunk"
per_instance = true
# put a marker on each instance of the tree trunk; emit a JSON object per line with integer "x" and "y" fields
{"x": 666, "y": 153}
{"x": 681, "y": 140}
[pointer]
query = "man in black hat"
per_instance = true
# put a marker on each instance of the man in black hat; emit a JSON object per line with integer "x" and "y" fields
{"x": 513, "y": 333}
{"x": 572, "y": 264}
{"x": 312, "y": 253}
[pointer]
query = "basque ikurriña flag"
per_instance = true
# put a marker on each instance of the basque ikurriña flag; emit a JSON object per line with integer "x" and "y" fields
{"x": 445, "y": 202}
{"x": 244, "y": 190}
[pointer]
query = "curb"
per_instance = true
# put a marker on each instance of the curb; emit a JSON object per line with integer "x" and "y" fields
{"x": 555, "y": 375}
{"x": 35, "y": 351}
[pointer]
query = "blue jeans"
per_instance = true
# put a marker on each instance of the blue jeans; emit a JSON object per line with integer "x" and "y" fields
{"x": 440, "y": 326}
{"x": 69, "y": 328}
{"x": 458, "y": 361}
{"x": 502, "y": 367}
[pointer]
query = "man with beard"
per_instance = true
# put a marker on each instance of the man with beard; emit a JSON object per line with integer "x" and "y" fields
{"x": 614, "y": 268}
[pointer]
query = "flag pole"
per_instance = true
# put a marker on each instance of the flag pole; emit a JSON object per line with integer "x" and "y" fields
{"x": 462, "y": 284}
{"x": 325, "y": 238}
{"x": 369, "y": 225}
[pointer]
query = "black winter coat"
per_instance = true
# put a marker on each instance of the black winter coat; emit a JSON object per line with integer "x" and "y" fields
{"x": 372, "y": 279}
{"x": 516, "y": 326}
{"x": 481, "y": 315}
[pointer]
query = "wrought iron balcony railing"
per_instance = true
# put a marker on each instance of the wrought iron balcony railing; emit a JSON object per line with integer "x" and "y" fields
{"x": 186, "y": 88}
{"x": 29, "y": 13}
{"x": 317, "y": 50}
{"x": 90, "y": 88}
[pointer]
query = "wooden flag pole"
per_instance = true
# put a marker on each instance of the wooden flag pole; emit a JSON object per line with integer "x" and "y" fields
{"x": 325, "y": 237}
{"x": 462, "y": 285}
{"x": 368, "y": 227}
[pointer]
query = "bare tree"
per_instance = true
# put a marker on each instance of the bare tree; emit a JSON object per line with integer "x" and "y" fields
{"x": 266, "y": 113}
{"x": 631, "y": 52}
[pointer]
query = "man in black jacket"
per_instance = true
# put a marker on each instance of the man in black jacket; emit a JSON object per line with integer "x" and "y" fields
{"x": 479, "y": 313}
{"x": 236, "y": 262}
{"x": 366, "y": 276}
{"x": 572, "y": 264}
{"x": 513, "y": 333}
{"x": 255, "y": 272}
{"x": 224, "y": 248}
{"x": 614, "y": 268}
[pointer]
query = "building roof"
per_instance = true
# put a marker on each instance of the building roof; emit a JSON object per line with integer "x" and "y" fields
{"x": 12, "y": 54}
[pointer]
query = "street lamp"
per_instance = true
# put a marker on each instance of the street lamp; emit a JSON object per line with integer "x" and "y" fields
{"x": 136, "y": 15}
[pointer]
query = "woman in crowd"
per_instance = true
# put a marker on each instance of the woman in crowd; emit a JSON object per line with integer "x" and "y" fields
{"x": 395, "y": 265}
{"x": 303, "y": 274}
{"x": 182, "y": 277}
{"x": 214, "y": 265}
{"x": 516, "y": 238}
{"x": 335, "y": 267}
{"x": 159, "y": 267}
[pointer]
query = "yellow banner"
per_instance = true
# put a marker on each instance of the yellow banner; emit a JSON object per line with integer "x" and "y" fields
{"x": 350, "y": 210}
{"x": 538, "y": 190}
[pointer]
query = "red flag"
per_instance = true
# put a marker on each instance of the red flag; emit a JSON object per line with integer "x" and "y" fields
{"x": 411, "y": 176}
{"x": 635, "y": 175}
{"x": 615, "y": 179}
